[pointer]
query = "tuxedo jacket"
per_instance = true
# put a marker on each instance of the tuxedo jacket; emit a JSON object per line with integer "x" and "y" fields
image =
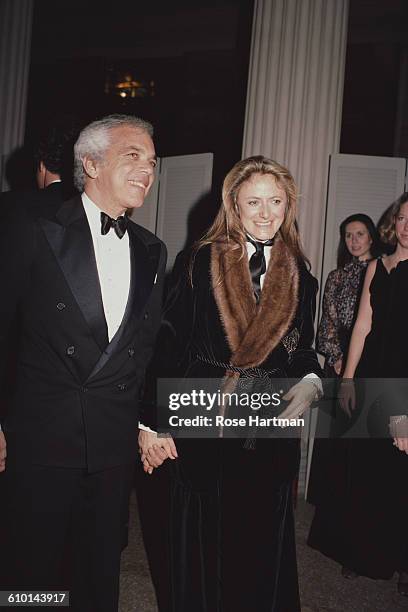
{"x": 52, "y": 195}
{"x": 75, "y": 402}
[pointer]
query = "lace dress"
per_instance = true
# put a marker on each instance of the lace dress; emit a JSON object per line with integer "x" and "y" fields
{"x": 340, "y": 304}
{"x": 340, "y": 301}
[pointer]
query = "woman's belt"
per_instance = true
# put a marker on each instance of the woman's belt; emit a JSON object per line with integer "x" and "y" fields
{"x": 246, "y": 383}
{"x": 244, "y": 372}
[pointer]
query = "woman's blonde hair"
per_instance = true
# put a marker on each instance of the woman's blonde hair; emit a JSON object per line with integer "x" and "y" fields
{"x": 227, "y": 226}
{"x": 387, "y": 223}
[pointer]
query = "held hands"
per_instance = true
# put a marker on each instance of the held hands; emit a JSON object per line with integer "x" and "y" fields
{"x": 3, "y": 452}
{"x": 300, "y": 397}
{"x": 347, "y": 396}
{"x": 154, "y": 450}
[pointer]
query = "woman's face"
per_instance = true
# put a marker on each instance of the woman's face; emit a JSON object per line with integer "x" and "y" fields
{"x": 401, "y": 226}
{"x": 261, "y": 206}
{"x": 358, "y": 240}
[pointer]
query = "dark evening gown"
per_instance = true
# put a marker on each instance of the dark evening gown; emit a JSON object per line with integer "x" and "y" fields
{"x": 363, "y": 523}
{"x": 232, "y": 544}
{"x": 340, "y": 305}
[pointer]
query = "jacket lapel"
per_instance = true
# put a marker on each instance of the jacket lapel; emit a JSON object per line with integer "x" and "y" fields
{"x": 71, "y": 241}
{"x": 144, "y": 265}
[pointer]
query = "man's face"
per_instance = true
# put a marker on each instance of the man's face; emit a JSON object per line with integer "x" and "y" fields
{"x": 124, "y": 177}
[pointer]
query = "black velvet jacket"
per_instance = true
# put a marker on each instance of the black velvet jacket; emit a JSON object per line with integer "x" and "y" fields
{"x": 195, "y": 336}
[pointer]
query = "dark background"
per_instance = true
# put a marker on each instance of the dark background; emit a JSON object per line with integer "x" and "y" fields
{"x": 375, "y": 104}
{"x": 189, "y": 61}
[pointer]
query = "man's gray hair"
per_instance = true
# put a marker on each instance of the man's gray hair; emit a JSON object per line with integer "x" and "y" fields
{"x": 94, "y": 140}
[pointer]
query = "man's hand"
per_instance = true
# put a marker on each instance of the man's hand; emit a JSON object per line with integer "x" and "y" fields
{"x": 154, "y": 450}
{"x": 300, "y": 396}
{"x": 3, "y": 452}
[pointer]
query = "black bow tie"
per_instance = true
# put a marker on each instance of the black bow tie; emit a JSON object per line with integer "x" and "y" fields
{"x": 257, "y": 264}
{"x": 119, "y": 225}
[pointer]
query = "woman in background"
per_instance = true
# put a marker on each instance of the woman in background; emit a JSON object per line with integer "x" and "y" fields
{"x": 359, "y": 243}
{"x": 370, "y": 529}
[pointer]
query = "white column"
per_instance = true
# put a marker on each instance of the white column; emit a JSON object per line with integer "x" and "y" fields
{"x": 15, "y": 47}
{"x": 294, "y": 99}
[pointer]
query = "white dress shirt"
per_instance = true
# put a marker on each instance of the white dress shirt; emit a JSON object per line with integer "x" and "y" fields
{"x": 113, "y": 265}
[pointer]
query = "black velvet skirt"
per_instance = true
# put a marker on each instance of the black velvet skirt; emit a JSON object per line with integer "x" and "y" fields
{"x": 232, "y": 527}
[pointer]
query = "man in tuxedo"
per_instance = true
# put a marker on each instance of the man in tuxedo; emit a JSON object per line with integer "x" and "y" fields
{"x": 53, "y": 167}
{"x": 53, "y": 173}
{"x": 54, "y": 160}
{"x": 87, "y": 284}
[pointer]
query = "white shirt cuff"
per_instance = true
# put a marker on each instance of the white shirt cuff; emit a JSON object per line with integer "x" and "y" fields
{"x": 314, "y": 379}
{"x": 146, "y": 428}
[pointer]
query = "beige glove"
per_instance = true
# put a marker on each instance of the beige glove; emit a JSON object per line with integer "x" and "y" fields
{"x": 300, "y": 396}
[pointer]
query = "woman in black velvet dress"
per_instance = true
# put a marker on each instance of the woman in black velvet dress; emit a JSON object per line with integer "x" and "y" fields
{"x": 371, "y": 535}
{"x": 241, "y": 305}
{"x": 359, "y": 244}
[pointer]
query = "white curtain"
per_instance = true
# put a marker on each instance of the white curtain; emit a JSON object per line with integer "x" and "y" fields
{"x": 15, "y": 51}
{"x": 294, "y": 99}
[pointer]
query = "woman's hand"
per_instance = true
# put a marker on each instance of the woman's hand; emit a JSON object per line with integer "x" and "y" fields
{"x": 338, "y": 366}
{"x": 347, "y": 396}
{"x": 401, "y": 444}
{"x": 3, "y": 452}
{"x": 154, "y": 450}
{"x": 399, "y": 431}
{"x": 300, "y": 397}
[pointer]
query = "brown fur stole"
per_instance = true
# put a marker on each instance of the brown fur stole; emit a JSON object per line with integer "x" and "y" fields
{"x": 252, "y": 330}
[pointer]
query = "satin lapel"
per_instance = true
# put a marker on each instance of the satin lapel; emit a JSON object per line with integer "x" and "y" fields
{"x": 144, "y": 261}
{"x": 72, "y": 244}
